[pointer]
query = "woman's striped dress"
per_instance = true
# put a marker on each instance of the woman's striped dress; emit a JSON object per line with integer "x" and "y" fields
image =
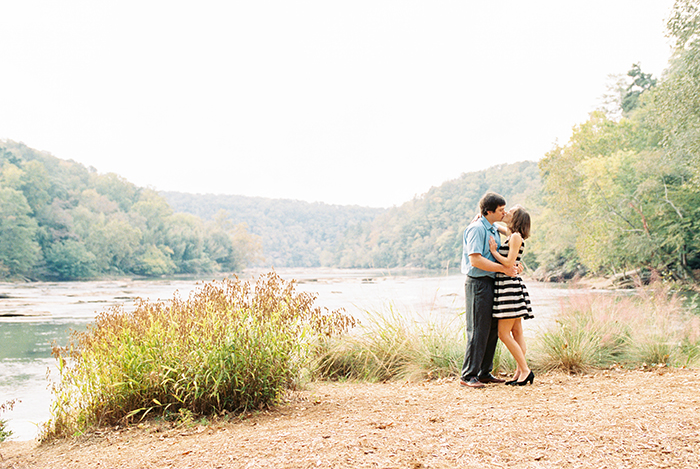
{"x": 510, "y": 297}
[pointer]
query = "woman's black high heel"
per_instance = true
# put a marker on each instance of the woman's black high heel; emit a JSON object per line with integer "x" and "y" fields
{"x": 513, "y": 381}
{"x": 530, "y": 379}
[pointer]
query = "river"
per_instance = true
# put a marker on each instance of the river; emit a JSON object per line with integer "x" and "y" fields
{"x": 34, "y": 315}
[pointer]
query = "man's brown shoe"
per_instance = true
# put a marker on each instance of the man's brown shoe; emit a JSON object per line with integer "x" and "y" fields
{"x": 489, "y": 378}
{"x": 471, "y": 383}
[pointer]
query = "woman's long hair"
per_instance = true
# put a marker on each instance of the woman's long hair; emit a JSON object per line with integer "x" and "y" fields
{"x": 520, "y": 223}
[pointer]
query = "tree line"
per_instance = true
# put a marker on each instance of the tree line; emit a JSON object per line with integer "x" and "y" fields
{"x": 60, "y": 220}
{"x": 424, "y": 232}
{"x": 292, "y": 233}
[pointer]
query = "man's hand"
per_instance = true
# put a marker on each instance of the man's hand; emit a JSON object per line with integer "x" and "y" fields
{"x": 520, "y": 267}
{"x": 511, "y": 271}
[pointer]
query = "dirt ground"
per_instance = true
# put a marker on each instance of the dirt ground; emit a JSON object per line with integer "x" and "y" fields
{"x": 610, "y": 419}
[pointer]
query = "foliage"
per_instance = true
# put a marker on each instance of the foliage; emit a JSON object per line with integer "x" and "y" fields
{"x": 630, "y": 188}
{"x": 642, "y": 82}
{"x": 5, "y": 433}
{"x": 59, "y": 220}
{"x": 588, "y": 333}
{"x": 623, "y": 194}
{"x": 228, "y": 347}
{"x": 71, "y": 260}
{"x": 648, "y": 327}
{"x": 19, "y": 250}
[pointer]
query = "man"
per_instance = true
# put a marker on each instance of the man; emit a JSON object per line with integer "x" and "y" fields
{"x": 480, "y": 267}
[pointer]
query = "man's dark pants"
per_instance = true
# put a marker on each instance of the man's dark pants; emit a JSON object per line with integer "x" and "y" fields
{"x": 482, "y": 328}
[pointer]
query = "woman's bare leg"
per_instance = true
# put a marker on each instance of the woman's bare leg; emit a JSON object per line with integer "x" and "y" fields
{"x": 505, "y": 327}
{"x": 518, "y": 334}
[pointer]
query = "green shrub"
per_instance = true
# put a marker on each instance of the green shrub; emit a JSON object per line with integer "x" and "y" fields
{"x": 666, "y": 332}
{"x": 228, "y": 347}
{"x": 569, "y": 349}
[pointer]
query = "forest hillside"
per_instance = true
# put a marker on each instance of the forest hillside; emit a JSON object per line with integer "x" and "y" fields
{"x": 62, "y": 221}
{"x": 292, "y": 233}
{"x": 424, "y": 232}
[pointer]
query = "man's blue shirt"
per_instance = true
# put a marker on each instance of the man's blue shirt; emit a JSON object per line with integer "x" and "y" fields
{"x": 476, "y": 241}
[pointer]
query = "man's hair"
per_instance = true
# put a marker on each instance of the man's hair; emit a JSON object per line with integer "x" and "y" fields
{"x": 520, "y": 223}
{"x": 490, "y": 202}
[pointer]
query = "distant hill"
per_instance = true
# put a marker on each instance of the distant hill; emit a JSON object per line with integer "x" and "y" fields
{"x": 293, "y": 233}
{"x": 427, "y": 231}
{"x": 424, "y": 232}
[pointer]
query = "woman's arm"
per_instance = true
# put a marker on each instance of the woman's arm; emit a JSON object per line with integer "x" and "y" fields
{"x": 502, "y": 229}
{"x": 514, "y": 247}
{"x": 480, "y": 262}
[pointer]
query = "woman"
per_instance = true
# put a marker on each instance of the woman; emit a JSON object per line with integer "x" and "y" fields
{"x": 511, "y": 300}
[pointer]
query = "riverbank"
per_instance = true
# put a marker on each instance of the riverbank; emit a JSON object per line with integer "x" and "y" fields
{"x": 611, "y": 418}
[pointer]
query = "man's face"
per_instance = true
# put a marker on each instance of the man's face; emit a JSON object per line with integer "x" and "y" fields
{"x": 509, "y": 215}
{"x": 497, "y": 215}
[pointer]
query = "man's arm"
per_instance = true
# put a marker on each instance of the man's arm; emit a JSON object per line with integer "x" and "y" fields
{"x": 480, "y": 262}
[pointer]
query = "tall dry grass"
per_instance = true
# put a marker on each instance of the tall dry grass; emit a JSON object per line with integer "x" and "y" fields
{"x": 393, "y": 345}
{"x": 228, "y": 347}
{"x": 650, "y": 326}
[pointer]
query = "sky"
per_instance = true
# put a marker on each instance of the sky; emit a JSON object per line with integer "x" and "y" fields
{"x": 357, "y": 102}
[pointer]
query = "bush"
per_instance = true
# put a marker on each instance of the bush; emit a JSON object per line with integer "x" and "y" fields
{"x": 591, "y": 331}
{"x": 229, "y": 347}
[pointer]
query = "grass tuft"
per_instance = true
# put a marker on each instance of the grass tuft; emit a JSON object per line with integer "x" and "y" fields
{"x": 234, "y": 347}
{"x": 595, "y": 330}
{"x": 390, "y": 345}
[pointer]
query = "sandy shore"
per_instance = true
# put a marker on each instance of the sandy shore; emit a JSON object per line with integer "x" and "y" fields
{"x": 611, "y": 419}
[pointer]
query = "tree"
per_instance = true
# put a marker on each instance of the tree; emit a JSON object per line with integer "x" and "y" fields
{"x": 114, "y": 243}
{"x": 641, "y": 82}
{"x": 185, "y": 237}
{"x": 427, "y": 231}
{"x": 19, "y": 251}
{"x": 589, "y": 197}
{"x": 70, "y": 259}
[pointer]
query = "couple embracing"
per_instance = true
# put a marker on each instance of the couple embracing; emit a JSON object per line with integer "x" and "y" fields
{"x": 496, "y": 298}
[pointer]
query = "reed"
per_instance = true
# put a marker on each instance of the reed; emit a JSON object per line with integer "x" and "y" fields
{"x": 232, "y": 347}
{"x": 229, "y": 347}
